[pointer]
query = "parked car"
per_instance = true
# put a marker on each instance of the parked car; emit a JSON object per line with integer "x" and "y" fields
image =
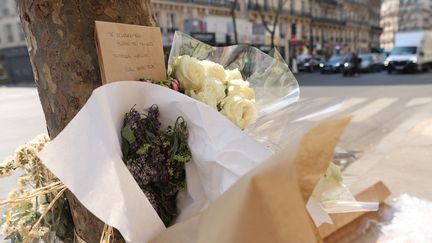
{"x": 309, "y": 64}
{"x": 333, "y": 65}
{"x": 412, "y": 52}
{"x": 370, "y": 62}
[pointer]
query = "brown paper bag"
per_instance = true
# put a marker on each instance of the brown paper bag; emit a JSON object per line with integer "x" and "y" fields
{"x": 129, "y": 52}
{"x": 267, "y": 204}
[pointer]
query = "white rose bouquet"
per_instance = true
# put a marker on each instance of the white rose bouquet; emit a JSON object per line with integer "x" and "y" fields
{"x": 220, "y": 88}
{"x": 241, "y": 82}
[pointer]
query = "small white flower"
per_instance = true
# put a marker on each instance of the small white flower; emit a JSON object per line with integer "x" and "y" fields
{"x": 22, "y": 181}
{"x": 8, "y": 161}
{"x": 6, "y": 229}
{"x": 42, "y": 231}
{"x": 214, "y": 70}
{"x": 13, "y": 194}
{"x": 232, "y": 74}
{"x": 19, "y": 153}
{"x": 42, "y": 208}
{"x": 212, "y": 92}
{"x": 239, "y": 110}
{"x": 5, "y": 172}
{"x": 21, "y": 225}
{"x": 189, "y": 72}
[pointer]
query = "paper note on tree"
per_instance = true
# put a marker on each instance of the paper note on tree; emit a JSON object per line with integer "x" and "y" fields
{"x": 129, "y": 52}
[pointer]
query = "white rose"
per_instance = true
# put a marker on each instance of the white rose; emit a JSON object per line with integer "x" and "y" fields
{"x": 189, "y": 72}
{"x": 232, "y": 74}
{"x": 211, "y": 93}
{"x": 239, "y": 110}
{"x": 214, "y": 70}
{"x": 239, "y": 87}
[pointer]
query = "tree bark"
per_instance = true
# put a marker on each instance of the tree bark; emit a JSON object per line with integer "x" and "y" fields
{"x": 60, "y": 40}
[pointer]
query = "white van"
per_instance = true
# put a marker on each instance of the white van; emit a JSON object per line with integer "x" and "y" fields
{"x": 412, "y": 52}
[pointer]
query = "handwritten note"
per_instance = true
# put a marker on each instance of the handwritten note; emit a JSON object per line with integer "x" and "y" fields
{"x": 129, "y": 52}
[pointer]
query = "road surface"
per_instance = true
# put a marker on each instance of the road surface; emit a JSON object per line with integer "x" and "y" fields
{"x": 391, "y": 126}
{"x": 379, "y": 102}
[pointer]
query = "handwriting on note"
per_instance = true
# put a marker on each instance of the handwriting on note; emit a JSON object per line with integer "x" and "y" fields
{"x": 129, "y": 52}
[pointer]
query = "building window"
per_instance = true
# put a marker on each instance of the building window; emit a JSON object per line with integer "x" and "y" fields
{"x": 159, "y": 21}
{"x": 303, "y": 7}
{"x": 171, "y": 22}
{"x": 266, "y": 5}
{"x": 258, "y": 29}
{"x": 8, "y": 33}
{"x": 3, "y": 8}
{"x": 5, "y": 11}
{"x": 21, "y": 32}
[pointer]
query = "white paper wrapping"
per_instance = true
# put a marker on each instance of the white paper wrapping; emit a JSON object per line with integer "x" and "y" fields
{"x": 87, "y": 156}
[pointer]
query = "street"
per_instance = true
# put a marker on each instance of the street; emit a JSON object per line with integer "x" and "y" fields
{"x": 391, "y": 128}
{"x": 379, "y": 102}
{"x": 21, "y": 120}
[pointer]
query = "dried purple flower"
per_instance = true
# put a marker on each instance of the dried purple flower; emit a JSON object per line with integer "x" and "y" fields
{"x": 156, "y": 158}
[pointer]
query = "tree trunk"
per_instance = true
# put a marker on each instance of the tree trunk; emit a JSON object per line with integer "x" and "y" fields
{"x": 233, "y": 17}
{"x": 272, "y": 37}
{"x": 60, "y": 40}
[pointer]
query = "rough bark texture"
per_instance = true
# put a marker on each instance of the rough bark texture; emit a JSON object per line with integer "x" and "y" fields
{"x": 60, "y": 39}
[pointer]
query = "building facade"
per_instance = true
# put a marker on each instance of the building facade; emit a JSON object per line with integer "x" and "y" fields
{"x": 389, "y": 22}
{"x": 14, "y": 61}
{"x": 404, "y": 15}
{"x": 415, "y": 15}
{"x": 304, "y": 27}
{"x": 11, "y": 34}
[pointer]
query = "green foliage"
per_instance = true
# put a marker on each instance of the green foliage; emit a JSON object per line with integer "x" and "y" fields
{"x": 128, "y": 134}
{"x": 156, "y": 158}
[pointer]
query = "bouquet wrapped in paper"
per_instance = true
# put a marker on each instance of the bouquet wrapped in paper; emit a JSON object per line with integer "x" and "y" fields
{"x": 238, "y": 187}
{"x": 266, "y": 188}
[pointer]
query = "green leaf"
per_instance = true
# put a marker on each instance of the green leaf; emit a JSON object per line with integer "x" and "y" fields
{"x": 182, "y": 158}
{"x": 128, "y": 134}
{"x": 175, "y": 145}
{"x": 143, "y": 149}
{"x": 150, "y": 136}
{"x": 125, "y": 148}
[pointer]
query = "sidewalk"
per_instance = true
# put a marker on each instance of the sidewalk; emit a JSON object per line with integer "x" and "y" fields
{"x": 21, "y": 120}
{"x": 402, "y": 160}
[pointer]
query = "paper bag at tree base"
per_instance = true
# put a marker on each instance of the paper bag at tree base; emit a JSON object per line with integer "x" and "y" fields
{"x": 267, "y": 204}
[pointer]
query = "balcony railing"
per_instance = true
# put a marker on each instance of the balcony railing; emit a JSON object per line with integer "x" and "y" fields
{"x": 291, "y": 12}
{"x": 296, "y": 13}
{"x": 328, "y": 20}
{"x": 331, "y": 2}
{"x": 377, "y": 28}
{"x": 211, "y": 3}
